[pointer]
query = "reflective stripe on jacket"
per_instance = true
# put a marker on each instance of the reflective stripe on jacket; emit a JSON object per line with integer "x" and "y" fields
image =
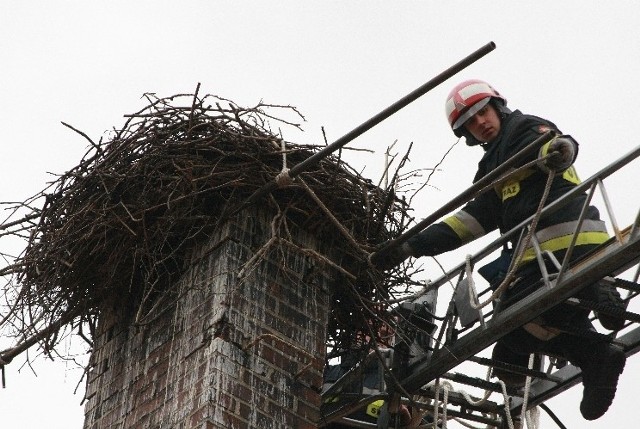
{"x": 465, "y": 226}
{"x": 559, "y": 236}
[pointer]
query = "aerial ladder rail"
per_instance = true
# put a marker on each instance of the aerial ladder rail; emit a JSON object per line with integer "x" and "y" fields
{"x": 585, "y": 186}
{"x": 616, "y": 256}
{"x": 568, "y": 376}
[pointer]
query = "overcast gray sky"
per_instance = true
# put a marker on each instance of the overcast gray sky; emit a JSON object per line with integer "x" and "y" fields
{"x": 575, "y": 62}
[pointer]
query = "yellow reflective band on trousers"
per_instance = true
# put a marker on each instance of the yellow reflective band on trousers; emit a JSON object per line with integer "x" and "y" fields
{"x": 561, "y": 243}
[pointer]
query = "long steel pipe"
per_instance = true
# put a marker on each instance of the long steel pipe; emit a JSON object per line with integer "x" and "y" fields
{"x": 373, "y": 121}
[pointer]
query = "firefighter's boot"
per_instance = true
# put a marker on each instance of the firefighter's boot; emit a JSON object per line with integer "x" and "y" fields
{"x": 609, "y": 297}
{"x": 601, "y": 368}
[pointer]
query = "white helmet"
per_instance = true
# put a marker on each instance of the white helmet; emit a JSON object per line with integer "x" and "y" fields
{"x": 466, "y": 99}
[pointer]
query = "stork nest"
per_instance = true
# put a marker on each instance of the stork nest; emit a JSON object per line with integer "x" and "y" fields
{"x": 131, "y": 210}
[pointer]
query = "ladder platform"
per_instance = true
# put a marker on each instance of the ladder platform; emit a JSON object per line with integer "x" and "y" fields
{"x": 612, "y": 259}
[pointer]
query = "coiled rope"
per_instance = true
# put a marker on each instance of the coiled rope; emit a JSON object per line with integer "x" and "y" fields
{"x": 530, "y": 417}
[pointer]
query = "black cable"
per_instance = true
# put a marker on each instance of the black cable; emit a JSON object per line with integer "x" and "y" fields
{"x": 553, "y": 416}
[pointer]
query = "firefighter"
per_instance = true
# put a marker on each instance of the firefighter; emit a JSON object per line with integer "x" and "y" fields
{"x": 479, "y": 113}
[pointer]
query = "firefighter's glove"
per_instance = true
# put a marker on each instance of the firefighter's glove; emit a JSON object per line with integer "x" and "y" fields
{"x": 392, "y": 258}
{"x": 562, "y": 153}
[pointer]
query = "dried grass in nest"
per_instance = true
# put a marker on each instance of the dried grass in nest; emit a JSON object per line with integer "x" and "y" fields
{"x": 119, "y": 224}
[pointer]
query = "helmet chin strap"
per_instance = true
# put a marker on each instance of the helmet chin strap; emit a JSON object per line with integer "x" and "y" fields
{"x": 502, "y": 109}
{"x": 470, "y": 140}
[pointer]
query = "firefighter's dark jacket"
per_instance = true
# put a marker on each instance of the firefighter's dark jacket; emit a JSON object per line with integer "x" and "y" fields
{"x": 514, "y": 201}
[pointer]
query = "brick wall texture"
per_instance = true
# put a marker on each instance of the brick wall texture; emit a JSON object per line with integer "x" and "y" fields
{"x": 243, "y": 347}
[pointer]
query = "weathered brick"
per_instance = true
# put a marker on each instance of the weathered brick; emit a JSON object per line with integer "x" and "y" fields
{"x": 191, "y": 368}
{"x": 232, "y": 421}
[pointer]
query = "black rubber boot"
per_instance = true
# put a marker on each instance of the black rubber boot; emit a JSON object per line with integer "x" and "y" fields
{"x": 601, "y": 364}
{"x": 600, "y": 372}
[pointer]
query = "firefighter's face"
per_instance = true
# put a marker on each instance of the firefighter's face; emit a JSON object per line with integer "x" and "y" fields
{"x": 484, "y": 126}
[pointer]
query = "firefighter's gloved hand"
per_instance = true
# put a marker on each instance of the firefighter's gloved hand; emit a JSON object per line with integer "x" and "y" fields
{"x": 392, "y": 258}
{"x": 563, "y": 151}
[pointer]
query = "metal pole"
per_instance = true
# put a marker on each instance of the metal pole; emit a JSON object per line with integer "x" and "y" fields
{"x": 466, "y": 195}
{"x": 370, "y": 123}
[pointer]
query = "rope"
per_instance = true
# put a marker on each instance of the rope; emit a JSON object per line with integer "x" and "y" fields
{"x": 505, "y": 396}
{"x": 468, "y": 425}
{"x": 482, "y": 400}
{"x": 436, "y": 398}
{"x": 446, "y": 387}
{"x": 532, "y": 423}
{"x": 283, "y": 178}
{"x": 531, "y": 417}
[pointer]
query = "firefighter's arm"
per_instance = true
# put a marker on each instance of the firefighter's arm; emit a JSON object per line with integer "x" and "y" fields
{"x": 451, "y": 233}
{"x": 433, "y": 240}
{"x": 478, "y": 217}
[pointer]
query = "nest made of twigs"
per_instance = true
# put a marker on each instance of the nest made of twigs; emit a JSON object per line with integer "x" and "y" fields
{"x": 128, "y": 213}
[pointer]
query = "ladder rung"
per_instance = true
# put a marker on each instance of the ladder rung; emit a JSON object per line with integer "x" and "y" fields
{"x": 517, "y": 369}
{"x": 590, "y": 305}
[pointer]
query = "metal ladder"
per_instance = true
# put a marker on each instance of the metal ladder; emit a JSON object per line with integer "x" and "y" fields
{"x": 621, "y": 254}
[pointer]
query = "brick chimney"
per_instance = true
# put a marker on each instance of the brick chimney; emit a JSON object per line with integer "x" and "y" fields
{"x": 242, "y": 347}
